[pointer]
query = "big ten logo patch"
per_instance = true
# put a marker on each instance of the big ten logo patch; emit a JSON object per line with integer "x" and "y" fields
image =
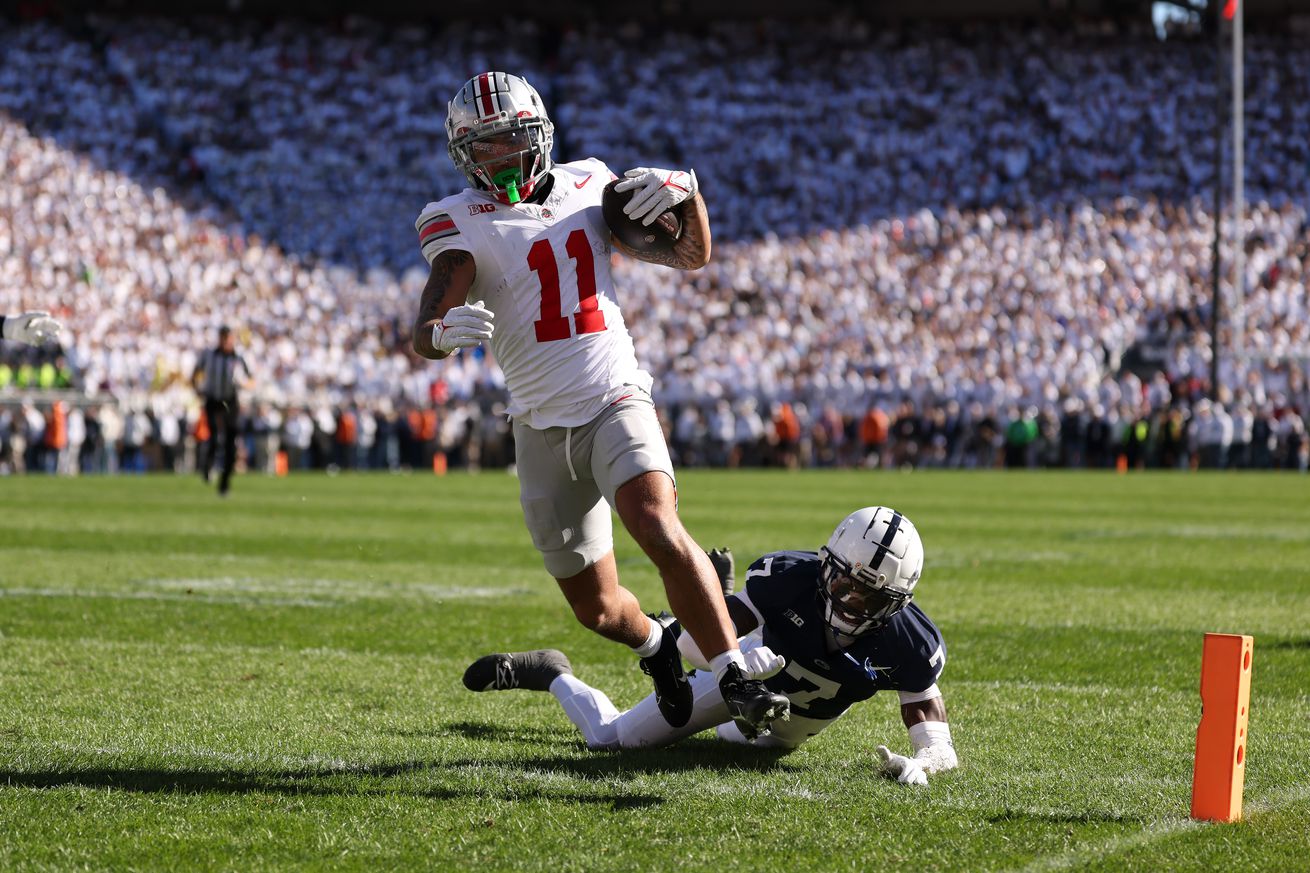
{"x": 480, "y": 208}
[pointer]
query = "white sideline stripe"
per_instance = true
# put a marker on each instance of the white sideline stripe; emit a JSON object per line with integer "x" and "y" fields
{"x": 172, "y": 649}
{"x": 156, "y": 595}
{"x": 1117, "y": 845}
{"x": 1086, "y": 688}
{"x": 292, "y": 592}
{"x": 972, "y": 559}
{"x": 1194, "y": 531}
{"x": 330, "y": 587}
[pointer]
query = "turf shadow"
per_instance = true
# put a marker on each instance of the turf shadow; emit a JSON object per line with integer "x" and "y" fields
{"x": 476, "y": 730}
{"x": 694, "y": 753}
{"x": 315, "y": 782}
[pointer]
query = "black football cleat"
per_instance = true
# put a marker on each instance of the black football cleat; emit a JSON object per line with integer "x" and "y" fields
{"x": 531, "y": 671}
{"x": 672, "y": 687}
{"x": 723, "y": 568}
{"x": 752, "y": 705}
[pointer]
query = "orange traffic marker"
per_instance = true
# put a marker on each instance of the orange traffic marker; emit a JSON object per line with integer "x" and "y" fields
{"x": 280, "y": 464}
{"x": 439, "y": 463}
{"x": 1220, "y": 769}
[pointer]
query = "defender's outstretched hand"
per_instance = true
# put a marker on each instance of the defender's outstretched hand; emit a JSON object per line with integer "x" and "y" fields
{"x": 906, "y": 771}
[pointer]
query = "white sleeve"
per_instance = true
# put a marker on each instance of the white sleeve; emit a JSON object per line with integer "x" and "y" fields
{"x": 438, "y": 232}
{"x": 908, "y": 697}
{"x": 933, "y": 747}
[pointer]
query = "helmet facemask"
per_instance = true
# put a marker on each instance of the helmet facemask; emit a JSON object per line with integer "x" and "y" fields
{"x": 507, "y": 159}
{"x": 856, "y": 600}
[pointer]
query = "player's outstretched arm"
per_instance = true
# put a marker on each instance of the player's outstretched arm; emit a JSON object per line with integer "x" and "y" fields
{"x": 692, "y": 250}
{"x": 452, "y": 275}
{"x": 931, "y": 737}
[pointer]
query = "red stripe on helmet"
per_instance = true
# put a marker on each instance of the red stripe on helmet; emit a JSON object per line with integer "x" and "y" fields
{"x": 486, "y": 95}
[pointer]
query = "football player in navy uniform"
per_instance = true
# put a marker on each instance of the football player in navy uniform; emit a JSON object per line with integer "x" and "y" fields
{"x": 826, "y": 629}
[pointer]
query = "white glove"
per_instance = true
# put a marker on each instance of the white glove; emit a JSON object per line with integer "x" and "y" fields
{"x": 657, "y": 191}
{"x": 463, "y": 327}
{"x": 32, "y": 328}
{"x": 761, "y": 662}
{"x": 907, "y": 771}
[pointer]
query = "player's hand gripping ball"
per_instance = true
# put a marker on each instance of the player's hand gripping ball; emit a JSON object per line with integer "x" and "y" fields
{"x": 661, "y": 235}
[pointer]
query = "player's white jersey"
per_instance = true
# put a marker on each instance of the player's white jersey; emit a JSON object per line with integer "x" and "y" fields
{"x": 544, "y": 270}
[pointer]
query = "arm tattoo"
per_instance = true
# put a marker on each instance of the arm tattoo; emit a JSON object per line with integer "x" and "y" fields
{"x": 429, "y": 305}
{"x": 433, "y": 304}
{"x": 692, "y": 248}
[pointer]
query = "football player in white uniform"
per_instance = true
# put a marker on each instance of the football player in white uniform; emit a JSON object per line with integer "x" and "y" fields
{"x": 520, "y": 260}
{"x": 828, "y": 629}
{"x": 32, "y": 328}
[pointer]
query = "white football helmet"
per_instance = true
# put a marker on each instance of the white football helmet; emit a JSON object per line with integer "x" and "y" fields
{"x": 870, "y": 566}
{"x": 500, "y": 135}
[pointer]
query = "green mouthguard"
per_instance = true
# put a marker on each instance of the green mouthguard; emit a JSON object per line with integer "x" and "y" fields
{"x": 509, "y": 180}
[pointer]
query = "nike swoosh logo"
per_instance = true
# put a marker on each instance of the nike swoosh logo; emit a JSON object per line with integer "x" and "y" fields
{"x": 582, "y": 183}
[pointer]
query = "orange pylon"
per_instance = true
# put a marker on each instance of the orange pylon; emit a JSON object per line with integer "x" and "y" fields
{"x": 1219, "y": 772}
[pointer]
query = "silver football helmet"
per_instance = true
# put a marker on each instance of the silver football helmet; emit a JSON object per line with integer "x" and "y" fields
{"x": 500, "y": 135}
{"x": 869, "y": 569}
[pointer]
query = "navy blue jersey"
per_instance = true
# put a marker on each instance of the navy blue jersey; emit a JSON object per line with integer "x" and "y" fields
{"x": 905, "y": 654}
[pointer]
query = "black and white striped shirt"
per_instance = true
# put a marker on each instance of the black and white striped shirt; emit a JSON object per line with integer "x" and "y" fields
{"x": 220, "y": 371}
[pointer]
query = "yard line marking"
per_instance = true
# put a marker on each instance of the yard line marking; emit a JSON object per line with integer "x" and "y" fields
{"x": 1100, "y": 851}
{"x": 290, "y": 592}
{"x": 1080, "y": 688}
{"x": 204, "y": 649}
{"x": 158, "y": 595}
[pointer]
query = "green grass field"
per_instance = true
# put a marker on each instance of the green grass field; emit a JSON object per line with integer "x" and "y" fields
{"x": 273, "y": 681}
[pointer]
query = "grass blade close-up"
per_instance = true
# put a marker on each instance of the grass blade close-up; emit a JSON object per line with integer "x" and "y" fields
{"x": 273, "y": 680}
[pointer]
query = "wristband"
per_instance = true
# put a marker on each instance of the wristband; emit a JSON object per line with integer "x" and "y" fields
{"x": 929, "y": 733}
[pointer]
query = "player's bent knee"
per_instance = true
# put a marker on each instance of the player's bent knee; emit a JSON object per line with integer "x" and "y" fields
{"x": 659, "y": 533}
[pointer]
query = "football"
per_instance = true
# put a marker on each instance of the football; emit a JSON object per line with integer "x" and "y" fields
{"x": 661, "y": 235}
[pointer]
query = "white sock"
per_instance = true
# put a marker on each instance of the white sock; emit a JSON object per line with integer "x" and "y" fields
{"x": 565, "y": 685}
{"x": 653, "y": 640}
{"x": 720, "y": 662}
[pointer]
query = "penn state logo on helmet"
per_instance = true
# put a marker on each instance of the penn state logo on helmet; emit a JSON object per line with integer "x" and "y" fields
{"x": 500, "y": 135}
{"x": 869, "y": 569}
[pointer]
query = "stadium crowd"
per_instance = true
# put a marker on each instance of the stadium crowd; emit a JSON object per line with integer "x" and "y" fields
{"x": 940, "y": 257}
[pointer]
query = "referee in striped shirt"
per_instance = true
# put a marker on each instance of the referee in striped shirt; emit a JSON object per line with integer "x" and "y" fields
{"x": 215, "y": 379}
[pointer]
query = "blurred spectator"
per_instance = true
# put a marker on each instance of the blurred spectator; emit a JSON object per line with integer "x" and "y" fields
{"x": 1000, "y": 251}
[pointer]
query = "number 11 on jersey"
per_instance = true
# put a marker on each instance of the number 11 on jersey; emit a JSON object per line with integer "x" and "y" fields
{"x": 588, "y": 319}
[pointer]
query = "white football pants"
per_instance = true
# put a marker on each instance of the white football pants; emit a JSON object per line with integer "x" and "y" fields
{"x": 604, "y": 727}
